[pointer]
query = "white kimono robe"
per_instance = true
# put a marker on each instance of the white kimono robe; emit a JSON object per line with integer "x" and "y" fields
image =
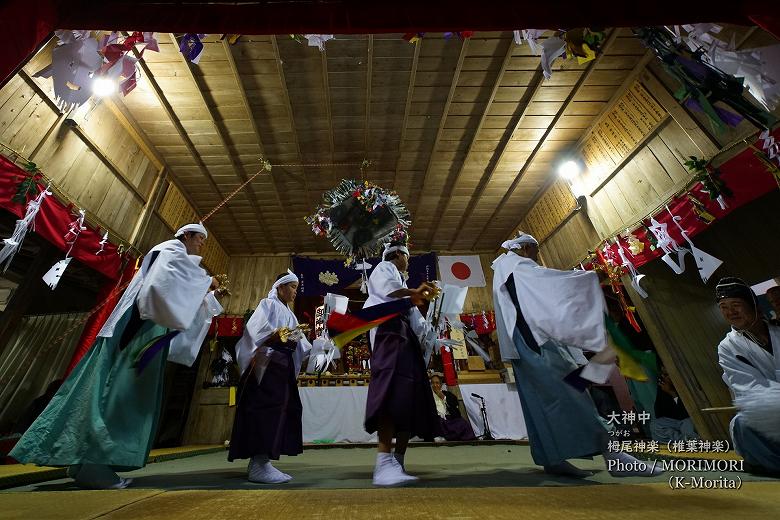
{"x": 270, "y": 315}
{"x": 567, "y": 307}
{"x": 753, "y": 375}
{"x": 564, "y": 313}
{"x": 385, "y": 279}
{"x": 171, "y": 289}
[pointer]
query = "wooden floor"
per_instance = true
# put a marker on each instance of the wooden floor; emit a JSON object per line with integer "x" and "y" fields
{"x": 456, "y": 482}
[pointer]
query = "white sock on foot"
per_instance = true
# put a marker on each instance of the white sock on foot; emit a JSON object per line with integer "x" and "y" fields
{"x": 388, "y": 472}
{"x": 262, "y": 471}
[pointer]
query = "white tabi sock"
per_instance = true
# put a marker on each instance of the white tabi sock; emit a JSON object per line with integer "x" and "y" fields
{"x": 262, "y": 471}
{"x": 388, "y": 472}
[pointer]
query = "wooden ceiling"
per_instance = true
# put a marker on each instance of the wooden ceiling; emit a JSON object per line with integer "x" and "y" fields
{"x": 467, "y": 132}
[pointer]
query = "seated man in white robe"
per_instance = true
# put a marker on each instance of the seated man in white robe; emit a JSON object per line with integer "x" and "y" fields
{"x": 751, "y": 368}
{"x": 541, "y": 314}
{"x": 104, "y": 417}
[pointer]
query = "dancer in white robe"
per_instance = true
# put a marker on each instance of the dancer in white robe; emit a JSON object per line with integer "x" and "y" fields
{"x": 540, "y": 314}
{"x": 269, "y": 412}
{"x": 104, "y": 417}
{"x": 751, "y": 369}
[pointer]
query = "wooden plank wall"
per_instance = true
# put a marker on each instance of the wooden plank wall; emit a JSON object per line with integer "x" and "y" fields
{"x": 550, "y": 210}
{"x": 251, "y": 277}
{"x": 570, "y": 243}
{"x": 175, "y": 211}
{"x": 682, "y": 317}
{"x": 30, "y": 125}
{"x": 98, "y": 164}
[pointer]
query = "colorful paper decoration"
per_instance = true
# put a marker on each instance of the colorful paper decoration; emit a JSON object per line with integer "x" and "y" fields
{"x": 12, "y": 244}
{"x": 74, "y": 61}
{"x": 702, "y": 84}
{"x": 359, "y": 218}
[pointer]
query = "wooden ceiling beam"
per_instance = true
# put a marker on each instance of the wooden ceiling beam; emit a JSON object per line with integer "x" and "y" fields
{"x": 168, "y": 109}
{"x": 407, "y": 109}
{"x": 291, "y": 115}
{"x": 442, "y": 123}
{"x": 445, "y": 200}
{"x": 534, "y": 88}
{"x": 329, "y": 112}
{"x": 616, "y": 96}
{"x": 250, "y": 113}
{"x": 575, "y": 90}
{"x": 238, "y": 168}
{"x": 369, "y": 73}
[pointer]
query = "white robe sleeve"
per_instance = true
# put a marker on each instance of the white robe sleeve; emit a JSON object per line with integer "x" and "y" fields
{"x": 173, "y": 289}
{"x": 263, "y": 322}
{"x": 740, "y": 376}
{"x": 186, "y": 345}
{"x": 565, "y": 306}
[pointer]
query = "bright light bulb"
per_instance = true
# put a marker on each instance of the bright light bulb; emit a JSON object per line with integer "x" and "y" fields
{"x": 569, "y": 170}
{"x": 103, "y": 87}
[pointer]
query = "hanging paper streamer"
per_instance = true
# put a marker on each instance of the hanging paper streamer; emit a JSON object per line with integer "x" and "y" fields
{"x": 73, "y": 62}
{"x": 120, "y": 63}
{"x": 758, "y": 68}
{"x": 52, "y": 277}
{"x": 191, "y": 46}
{"x": 552, "y": 49}
{"x": 530, "y": 36}
{"x": 635, "y": 276}
{"x": 12, "y": 244}
{"x": 103, "y": 243}
{"x": 701, "y": 83}
{"x": 705, "y": 262}
{"x": 669, "y": 246}
{"x": 318, "y": 40}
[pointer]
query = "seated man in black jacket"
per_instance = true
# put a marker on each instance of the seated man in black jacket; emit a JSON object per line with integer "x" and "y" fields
{"x": 453, "y": 425}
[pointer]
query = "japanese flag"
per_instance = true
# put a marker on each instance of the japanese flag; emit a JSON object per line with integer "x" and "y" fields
{"x": 462, "y": 271}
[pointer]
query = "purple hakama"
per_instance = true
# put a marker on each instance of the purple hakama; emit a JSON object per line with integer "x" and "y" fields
{"x": 268, "y": 415}
{"x": 399, "y": 385}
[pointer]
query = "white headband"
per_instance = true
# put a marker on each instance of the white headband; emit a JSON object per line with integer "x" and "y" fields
{"x": 521, "y": 240}
{"x": 196, "y": 228}
{"x": 288, "y": 278}
{"x": 393, "y": 249}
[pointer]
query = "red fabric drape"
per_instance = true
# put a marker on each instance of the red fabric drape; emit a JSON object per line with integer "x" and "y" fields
{"x": 448, "y": 365}
{"x": 109, "y": 294}
{"x": 52, "y": 224}
{"x": 744, "y": 174}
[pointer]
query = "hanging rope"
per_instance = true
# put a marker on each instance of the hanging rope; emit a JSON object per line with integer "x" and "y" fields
{"x": 364, "y": 164}
{"x": 266, "y": 166}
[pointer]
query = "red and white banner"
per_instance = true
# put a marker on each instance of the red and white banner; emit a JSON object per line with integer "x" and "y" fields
{"x": 461, "y": 271}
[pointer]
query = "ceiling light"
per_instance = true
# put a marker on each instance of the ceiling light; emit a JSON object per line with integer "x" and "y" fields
{"x": 569, "y": 170}
{"x": 103, "y": 86}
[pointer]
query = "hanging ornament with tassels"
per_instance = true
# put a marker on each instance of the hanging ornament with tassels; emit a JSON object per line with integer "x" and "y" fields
{"x": 53, "y": 276}
{"x": 12, "y": 244}
{"x": 703, "y": 85}
{"x": 710, "y": 180}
